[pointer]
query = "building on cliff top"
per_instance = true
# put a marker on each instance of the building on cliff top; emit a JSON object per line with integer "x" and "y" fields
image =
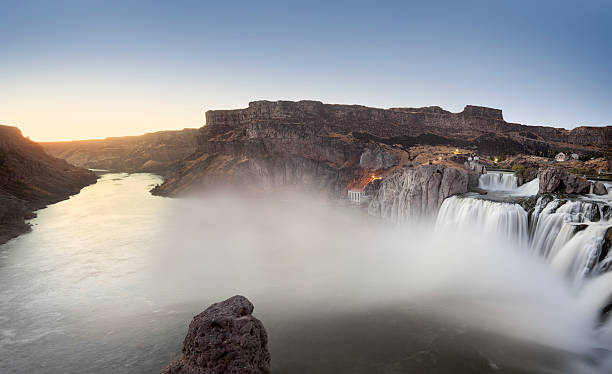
{"x": 560, "y": 157}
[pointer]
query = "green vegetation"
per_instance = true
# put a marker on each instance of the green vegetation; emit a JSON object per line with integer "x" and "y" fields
{"x": 583, "y": 171}
{"x": 520, "y": 171}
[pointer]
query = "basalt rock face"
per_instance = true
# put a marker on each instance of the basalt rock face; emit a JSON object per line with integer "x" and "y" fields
{"x": 417, "y": 192}
{"x": 155, "y": 152}
{"x": 377, "y": 159}
{"x": 30, "y": 179}
{"x": 224, "y": 339}
{"x": 599, "y": 188}
{"x": 556, "y": 180}
{"x": 329, "y": 147}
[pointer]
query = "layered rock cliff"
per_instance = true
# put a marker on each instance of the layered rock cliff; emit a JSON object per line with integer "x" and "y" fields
{"x": 155, "y": 152}
{"x": 30, "y": 179}
{"x": 333, "y": 147}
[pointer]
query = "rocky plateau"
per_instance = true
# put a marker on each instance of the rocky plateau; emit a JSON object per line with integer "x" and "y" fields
{"x": 330, "y": 148}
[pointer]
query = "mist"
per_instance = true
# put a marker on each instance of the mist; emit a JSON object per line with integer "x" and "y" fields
{"x": 301, "y": 260}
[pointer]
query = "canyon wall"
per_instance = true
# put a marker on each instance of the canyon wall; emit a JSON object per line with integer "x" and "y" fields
{"x": 155, "y": 152}
{"x": 320, "y": 146}
{"x": 30, "y": 179}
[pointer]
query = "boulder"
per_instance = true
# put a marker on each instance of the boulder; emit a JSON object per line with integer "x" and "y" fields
{"x": 599, "y": 188}
{"x": 556, "y": 180}
{"x": 224, "y": 339}
{"x": 414, "y": 192}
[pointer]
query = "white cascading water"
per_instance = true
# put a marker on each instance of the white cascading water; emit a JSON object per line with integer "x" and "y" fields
{"x": 568, "y": 234}
{"x": 505, "y": 219}
{"x": 528, "y": 189}
{"x": 498, "y": 181}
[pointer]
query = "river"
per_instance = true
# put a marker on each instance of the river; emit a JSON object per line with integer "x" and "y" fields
{"x": 108, "y": 281}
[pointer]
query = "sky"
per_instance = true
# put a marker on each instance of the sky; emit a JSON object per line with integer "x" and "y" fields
{"x": 90, "y": 69}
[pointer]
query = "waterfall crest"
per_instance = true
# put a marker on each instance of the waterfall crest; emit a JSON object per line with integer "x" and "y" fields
{"x": 504, "y": 219}
{"x": 498, "y": 181}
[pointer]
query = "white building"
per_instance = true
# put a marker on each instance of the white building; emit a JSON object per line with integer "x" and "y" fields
{"x": 355, "y": 196}
{"x": 560, "y": 157}
{"x": 575, "y": 156}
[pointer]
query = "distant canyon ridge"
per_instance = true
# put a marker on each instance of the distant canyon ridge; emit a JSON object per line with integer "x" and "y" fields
{"x": 306, "y": 145}
{"x": 330, "y": 148}
{"x": 326, "y": 147}
{"x": 152, "y": 152}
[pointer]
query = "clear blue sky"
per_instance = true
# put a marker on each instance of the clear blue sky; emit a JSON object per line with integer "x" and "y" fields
{"x": 83, "y": 69}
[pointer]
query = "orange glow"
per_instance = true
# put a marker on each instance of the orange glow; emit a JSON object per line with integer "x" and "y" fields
{"x": 373, "y": 178}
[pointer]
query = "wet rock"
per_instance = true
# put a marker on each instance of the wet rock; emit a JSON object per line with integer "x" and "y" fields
{"x": 473, "y": 178}
{"x": 413, "y": 192}
{"x": 224, "y": 339}
{"x": 556, "y": 180}
{"x": 599, "y": 188}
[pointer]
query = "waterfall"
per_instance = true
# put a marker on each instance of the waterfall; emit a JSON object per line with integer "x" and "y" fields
{"x": 569, "y": 234}
{"x": 528, "y": 189}
{"x": 498, "y": 181}
{"x": 504, "y": 219}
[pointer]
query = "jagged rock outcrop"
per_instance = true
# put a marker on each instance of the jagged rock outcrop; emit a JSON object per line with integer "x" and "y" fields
{"x": 329, "y": 147}
{"x": 224, "y": 339}
{"x": 557, "y": 180}
{"x": 417, "y": 192}
{"x": 156, "y": 152}
{"x": 599, "y": 188}
{"x": 30, "y": 179}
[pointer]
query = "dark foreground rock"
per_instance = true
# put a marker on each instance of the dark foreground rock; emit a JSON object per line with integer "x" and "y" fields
{"x": 224, "y": 339}
{"x": 557, "y": 180}
{"x": 414, "y": 192}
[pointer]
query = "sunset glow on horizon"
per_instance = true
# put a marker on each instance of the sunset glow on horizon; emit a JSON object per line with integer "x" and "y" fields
{"x": 82, "y": 70}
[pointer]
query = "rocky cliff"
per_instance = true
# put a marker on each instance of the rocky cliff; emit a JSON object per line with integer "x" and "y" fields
{"x": 417, "y": 192}
{"x": 153, "y": 152}
{"x": 333, "y": 147}
{"x": 30, "y": 179}
{"x": 557, "y": 180}
{"x": 224, "y": 339}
